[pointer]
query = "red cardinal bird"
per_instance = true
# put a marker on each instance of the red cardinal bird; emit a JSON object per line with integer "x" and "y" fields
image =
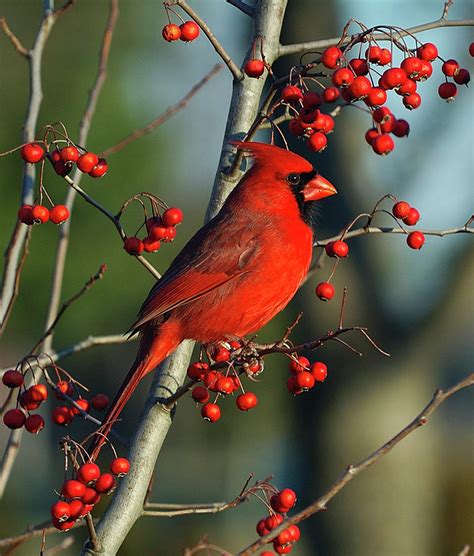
{"x": 238, "y": 271}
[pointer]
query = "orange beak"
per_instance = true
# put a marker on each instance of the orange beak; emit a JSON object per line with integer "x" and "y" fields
{"x": 318, "y": 188}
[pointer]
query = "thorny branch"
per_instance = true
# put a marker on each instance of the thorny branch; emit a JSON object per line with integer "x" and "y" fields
{"x": 439, "y": 397}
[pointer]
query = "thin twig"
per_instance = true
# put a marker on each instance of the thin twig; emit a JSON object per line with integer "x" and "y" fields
{"x": 13, "y": 38}
{"x": 301, "y": 48}
{"x": 352, "y": 471}
{"x": 164, "y": 116}
{"x": 236, "y": 72}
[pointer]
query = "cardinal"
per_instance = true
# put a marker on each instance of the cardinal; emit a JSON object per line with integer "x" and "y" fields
{"x": 238, "y": 271}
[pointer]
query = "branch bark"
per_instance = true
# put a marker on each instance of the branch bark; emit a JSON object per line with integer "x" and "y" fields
{"x": 127, "y": 504}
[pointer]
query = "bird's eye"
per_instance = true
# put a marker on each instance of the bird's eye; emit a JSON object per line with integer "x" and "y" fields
{"x": 294, "y": 179}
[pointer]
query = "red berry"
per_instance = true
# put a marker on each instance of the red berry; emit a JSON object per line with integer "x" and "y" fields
{"x": 359, "y": 66}
{"x": 25, "y": 215}
{"x": 211, "y": 412}
{"x": 120, "y": 466}
{"x": 331, "y": 56}
{"x": 170, "y": 234}
{"x": 415, "y": 240}
{"x": 171, "y": 32}
{"x": 342, "y": 77}
{"x": 254, "y": 68}
{"x": 388, "y": 125}
{"x": 284, "y": 539}
{"x": 14, "y": 418}
{"x": 83, "y": 404}
{"x": 376, "y": 97}
{"x": 340, "y": 249}
{"x": 411, "y": 66}
{"x": 412, "y": 217}
{"x": 100, "y": 402}
{"x": 325, "y": 291}
{"x": 189, "y": 31}
{"x": 262, "y": 528}
{"x": 300, "y": 365}
{"x": 425, "y": 72}
{"x": 450, "y": 67}
{"x": 196, "y": 371}
{"x": 292, "y": 387}
{"x": 105, "y": 484}
{"x": 312, "y": 100}
{"x": 32, "y": 153}
{"x": 133, "y": 245}
{"x": 246, "y": 401}
{"x": 317, "y": 142}
{"x": 64, "y": 387}
{"x": 381, "y": 114}
{"x": 225, "y": 385}
{"x": 401, "y": 128}
{"x": 63, "y": 525}
{"x": 291, "y": 93}
{"x": 91, "y": 496}
{"x": 38, "y": 392}
{"x": 210, "y": 379}
{"x": 370, "y": 135}
{"x": 319, "y": 371}
{"x": 304, "y": 380}
{"x": 59, "y": 214}
{"x": 393, "y": 78}
{"x": 27, "y": 403}
{"x": 86, "y": 162}
{"x": 158, "y": 231}
{"x": 360, "y": 87}
{"x": 60, "y": 510}
{"x": 447, "y": 91}
{"x": 407, "y": 88}
{"x": 151, "y": 245}
{"x": 34, "y": 423}
{"x": 373, "y": 54}
{"x": 200, "y": 394}
{"x": 220, "y": 354}
{"x": 77, "y": 507}
{"x": 73, "y": 489}
{"x": 385, "y": 57}
{"x": 12, "y": 379}
{"x": 88, "y": 472}
{"x": 427, "y": 51}
{"x": 462, "y": 77}
{"x": 62, "y": 416}
{"x": 294, "y": 532}
{"x": 100, "y": 169}
{"x": 383, "y": 144}
{"x": 295, "y": 127}
{"x": 40, "y": 214}
{"x": 69, "y": 154}
{"x": 471, "y": 49}
{"x": 412, "y": 101}
{"x": 172, "y": 216}
{"x": 401, "y": 209}
{"x": 331, "y": 94}
{"x": 273, "y": 521}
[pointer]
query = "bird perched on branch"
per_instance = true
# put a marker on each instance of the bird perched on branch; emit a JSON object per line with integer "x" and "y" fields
{"x": 238, "y": 271}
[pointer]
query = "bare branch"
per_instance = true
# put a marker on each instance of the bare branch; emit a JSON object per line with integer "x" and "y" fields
{"x": 242, "y": 6}
{"x": 301, "y": 48}
{"x": 13, "y": 38}
{"x": 164, "y": 116}
{"x": 352, "y": 471}
{"x": 236, "y": 72}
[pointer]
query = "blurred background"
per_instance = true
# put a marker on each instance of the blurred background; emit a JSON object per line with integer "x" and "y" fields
{"x": 417, "y": 501}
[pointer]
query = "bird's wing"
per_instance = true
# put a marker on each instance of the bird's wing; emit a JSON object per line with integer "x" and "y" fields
{"x": 213, "y": 257}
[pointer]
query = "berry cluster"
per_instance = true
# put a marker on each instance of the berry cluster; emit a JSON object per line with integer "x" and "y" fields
{"x": 280, "y": 503}
{"x": 409, "y": 216}
{"x": 160, "y": 228}
{"x": 30, "y": 399}
{"x": 222, "y": 383}
{"x": 305, "y": 375}
{"x": 188, "y": 31}
{"x": 80, "y": 494}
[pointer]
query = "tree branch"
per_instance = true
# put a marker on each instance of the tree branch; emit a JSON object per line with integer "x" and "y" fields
{"x": 164, "y": 116}
{"x": 13, "y": 38}
{"x": 352, "y": 471}
{"x": 236, "y": 72}
{"x": 301, "y": 48}
{"x": 242, "y": 6}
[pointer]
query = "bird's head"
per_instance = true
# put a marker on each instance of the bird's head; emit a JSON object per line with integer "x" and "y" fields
{"x": 288, "y": 169}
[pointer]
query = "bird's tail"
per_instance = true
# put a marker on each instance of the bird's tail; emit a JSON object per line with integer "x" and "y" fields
{"x": 154, "y": 348}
